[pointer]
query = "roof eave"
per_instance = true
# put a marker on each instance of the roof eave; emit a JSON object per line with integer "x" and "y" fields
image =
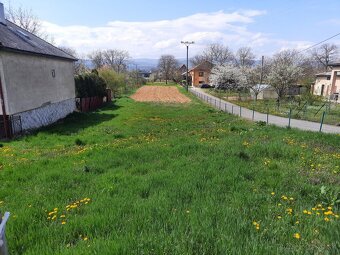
{"x": 36, "y": 53}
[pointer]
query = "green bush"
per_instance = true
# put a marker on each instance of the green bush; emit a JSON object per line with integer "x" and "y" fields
{"x": 114, "y": 80}
{"x": 90, "y": 85}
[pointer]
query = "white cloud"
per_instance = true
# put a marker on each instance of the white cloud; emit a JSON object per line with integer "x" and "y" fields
{"x": 154, "y": 38}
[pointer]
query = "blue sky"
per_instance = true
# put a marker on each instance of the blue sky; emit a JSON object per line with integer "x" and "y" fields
{"x": 150, "y": 28}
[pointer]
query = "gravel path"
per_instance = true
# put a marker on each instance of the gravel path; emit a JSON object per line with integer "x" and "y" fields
{"x": 257, "y": 116}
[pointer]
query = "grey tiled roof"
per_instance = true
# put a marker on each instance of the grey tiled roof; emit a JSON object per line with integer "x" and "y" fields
{"x": 13, "y": 37}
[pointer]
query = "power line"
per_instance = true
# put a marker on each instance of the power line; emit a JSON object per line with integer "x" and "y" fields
{"x": 319, "y": 43}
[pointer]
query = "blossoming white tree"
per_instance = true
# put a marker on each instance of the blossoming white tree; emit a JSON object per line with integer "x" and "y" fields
{"x": 227, "y": 77}
{"x": 285, "y": 70}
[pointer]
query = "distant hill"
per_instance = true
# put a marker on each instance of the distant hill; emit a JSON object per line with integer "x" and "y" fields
{"x": 144, "y": 64}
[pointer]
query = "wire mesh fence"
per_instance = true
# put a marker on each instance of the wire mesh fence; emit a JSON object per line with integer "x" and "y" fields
{"x": 285, "y": 120}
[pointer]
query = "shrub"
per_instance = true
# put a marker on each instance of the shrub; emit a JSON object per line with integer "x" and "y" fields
{"x": 114, "y": 80}
{"x": 90, "y": 85}
{"x": 79, "y": 142}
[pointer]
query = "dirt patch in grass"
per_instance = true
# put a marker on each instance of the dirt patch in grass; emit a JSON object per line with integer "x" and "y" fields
{"x": 160, "y": 94}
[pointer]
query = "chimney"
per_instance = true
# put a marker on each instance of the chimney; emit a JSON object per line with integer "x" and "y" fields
{"x": 2, "y": 14}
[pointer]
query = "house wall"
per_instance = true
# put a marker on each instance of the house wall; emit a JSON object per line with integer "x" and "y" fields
{"x": 327, "y": 88}
{"x": 196, "y": 79}
{"x": 31, "y": 90}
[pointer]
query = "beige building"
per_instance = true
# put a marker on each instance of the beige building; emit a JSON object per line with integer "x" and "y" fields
{"x": 328, "y": 84}
{"x": 36, "y": 80}
{"x": 200, "y": 73}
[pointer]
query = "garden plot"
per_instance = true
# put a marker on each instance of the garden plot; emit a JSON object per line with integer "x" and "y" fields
{"x": 160, "y": 94}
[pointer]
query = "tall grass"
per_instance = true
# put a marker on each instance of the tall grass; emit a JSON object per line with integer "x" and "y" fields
{"x": 170, "y": 179}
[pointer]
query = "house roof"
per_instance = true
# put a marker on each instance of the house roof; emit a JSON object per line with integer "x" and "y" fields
{"x": 334, "y": 64}
{"x": 326, "y": 74}
{"x": 205, "y": 65}
{"x": 15, "y": 38}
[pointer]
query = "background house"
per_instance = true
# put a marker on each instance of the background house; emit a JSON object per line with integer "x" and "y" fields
{"x": 328, "y": 84}
{"x": 200, "y": 73}
{"x": 267, "y": 92}
{"x": 36, "y": 78}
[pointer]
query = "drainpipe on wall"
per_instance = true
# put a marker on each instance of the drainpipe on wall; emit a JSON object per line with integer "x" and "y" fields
{"x": 4, "y": 114}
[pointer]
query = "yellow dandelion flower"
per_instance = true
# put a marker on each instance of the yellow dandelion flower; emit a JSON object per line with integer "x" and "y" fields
{"x": 297, "y": 236}
{"x": 62, "y": 216}
{"x": 291, "y": 198}
{"x": 336, "y": 216}
{"x": 309, "y": 212}
{"x": 50, "y": 213}
{"x": 297, "y": 222}
{"x": 55, "y": 209}
{"x": 254, "y": 223}
{"x": 273, "y": 193}
{"x": 85, "y": 238}
{"x": 279, "y": 217}
{"x": 63, "y": 222}
{"x": 305, "y": 211}
{"x": 54, "y": 217}
{"x": 329, "y": 208}
{"x": 327, "y": 219}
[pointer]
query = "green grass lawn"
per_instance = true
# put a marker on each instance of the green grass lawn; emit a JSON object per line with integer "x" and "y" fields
{"x": 303, "y": 111}
{"x": 143, "y": 178}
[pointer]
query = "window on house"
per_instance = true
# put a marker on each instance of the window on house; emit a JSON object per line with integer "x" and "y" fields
{"x": 201, "y": 74}
{"x": 328, "y": 78}
{"x": 201, "y": 82}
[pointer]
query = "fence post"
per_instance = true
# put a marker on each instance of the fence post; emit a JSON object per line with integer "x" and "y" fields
{"x": 240, "y": 111}
{"x": 225, "y": 107}
{"x": 290, "y": 116}
{"x": 322, "y": 119}
{"x": 215, "y": 102}
{"x": 3, "y": 243}
{"x": 253, "y": 114}
{"x": 232, "y": 109}
{"x": 267, "y": 116}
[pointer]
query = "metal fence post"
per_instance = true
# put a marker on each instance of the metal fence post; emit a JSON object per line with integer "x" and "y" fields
{"x": 290, "y": 116}
{"x": 322, "y": 119}
{"x": 3, "y": 243}
{"x": 267, "y": 116}
{"x": 225, "y": 107}
{"x": 240, "y": 111}
{"x": 232, "y": 109}
{"x": 253, "y": 114}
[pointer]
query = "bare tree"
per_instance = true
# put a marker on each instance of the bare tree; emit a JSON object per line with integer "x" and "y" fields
{"x": 217, "y": 54}
{"x": 198, "y": 59}
{"x": 167, "y": 65}
{"x": 244, "y": 57}
{"x": 116, "y": 59}
{"x": 285, "y": 70}
{"x": 79, "y": 65}
{"x": 25, "y": 19}
{"x": 97, "y": 58}
{"x": 325, "y": 54}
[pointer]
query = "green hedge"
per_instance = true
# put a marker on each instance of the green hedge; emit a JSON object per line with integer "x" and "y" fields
{"x": 90, "y": 85}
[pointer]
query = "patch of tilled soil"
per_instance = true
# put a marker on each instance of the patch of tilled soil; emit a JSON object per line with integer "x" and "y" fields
{"x": 160, "y": 94}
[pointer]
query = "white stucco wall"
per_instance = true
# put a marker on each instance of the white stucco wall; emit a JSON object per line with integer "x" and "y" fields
{"x": 327, "y": 88}
{"x": 29, "y": 82}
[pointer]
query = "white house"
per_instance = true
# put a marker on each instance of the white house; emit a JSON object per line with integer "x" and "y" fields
{"x": 36, "y": 80}
{"x": 327, "y": 84}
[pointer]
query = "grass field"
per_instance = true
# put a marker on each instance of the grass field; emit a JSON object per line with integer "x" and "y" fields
{"x": 143, "y": 178}
{"x": 302, "y": 111}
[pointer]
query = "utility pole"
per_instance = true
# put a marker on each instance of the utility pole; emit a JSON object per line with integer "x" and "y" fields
{"x": 186, "y": 43}
{"x": 136, "y": 74}
{"x": 262, "y": 63}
